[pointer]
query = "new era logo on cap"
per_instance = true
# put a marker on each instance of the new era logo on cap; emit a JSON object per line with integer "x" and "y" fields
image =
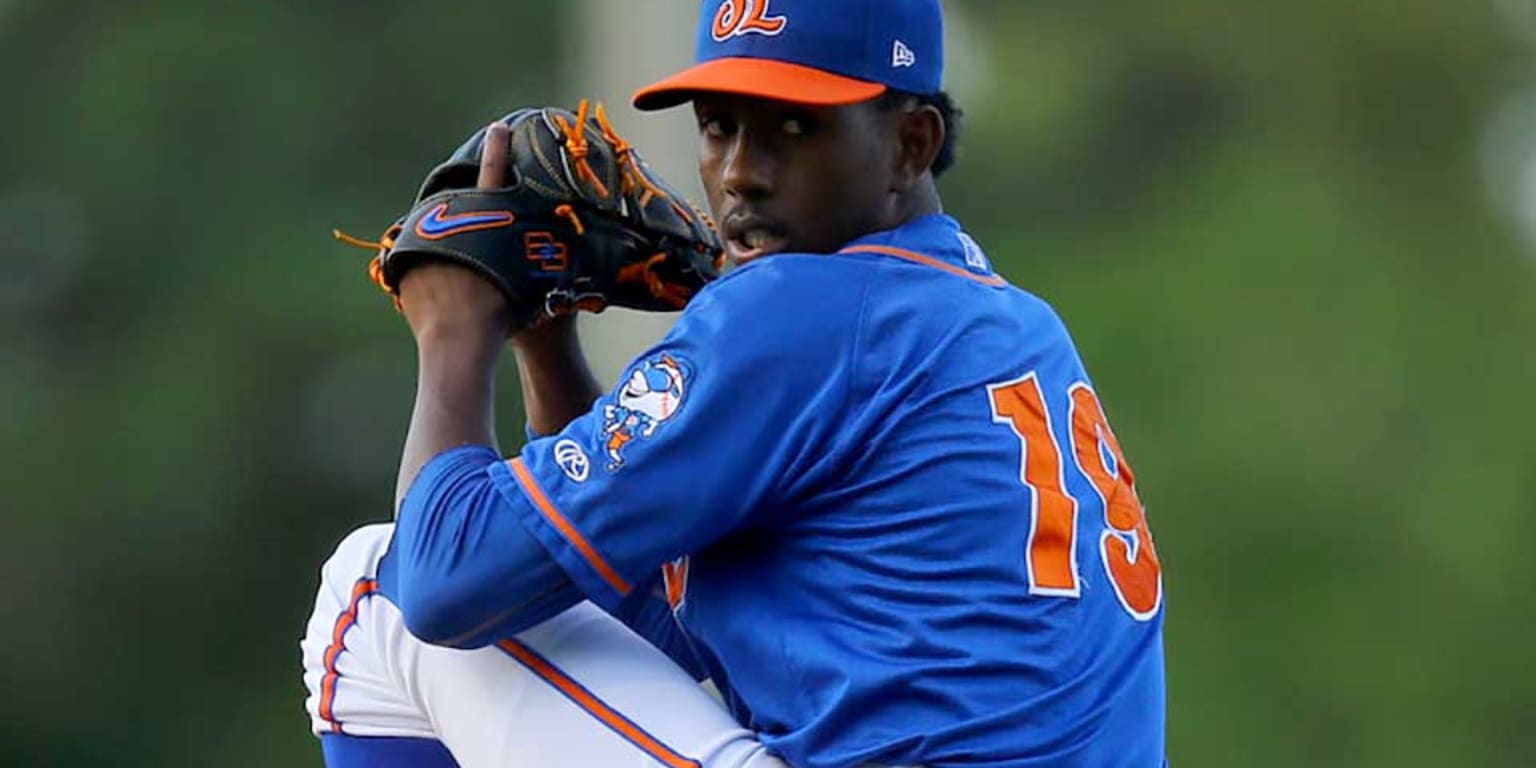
{"x": 902, "y": 56}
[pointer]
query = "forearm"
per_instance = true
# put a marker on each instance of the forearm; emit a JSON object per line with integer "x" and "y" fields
{"x": 455, "y": 397}
{"x": 557, "y": 383}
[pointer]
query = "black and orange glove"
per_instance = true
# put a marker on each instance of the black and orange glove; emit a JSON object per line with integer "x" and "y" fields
{"x": 583, "y": 223}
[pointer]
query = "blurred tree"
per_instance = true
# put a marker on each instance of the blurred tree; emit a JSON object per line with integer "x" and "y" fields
{"x": 1265, "y": 224}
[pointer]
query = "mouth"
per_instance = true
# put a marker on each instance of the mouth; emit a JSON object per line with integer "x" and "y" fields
{"x": 748, "y": 239}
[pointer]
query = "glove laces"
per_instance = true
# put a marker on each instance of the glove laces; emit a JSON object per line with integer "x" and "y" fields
{"x": 634, "y": 175}
{"x": 385, "y": 244}
{"x": 576, "y": 144}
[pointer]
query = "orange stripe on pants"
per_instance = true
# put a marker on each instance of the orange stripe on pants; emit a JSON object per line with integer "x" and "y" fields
{"x": 361, "y": 589}
{"x": 594, "y": 706}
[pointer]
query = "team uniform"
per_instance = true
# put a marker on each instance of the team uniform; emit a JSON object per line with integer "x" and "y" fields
{"x": 576, "y": 690}
{"x": 895, "y": 524}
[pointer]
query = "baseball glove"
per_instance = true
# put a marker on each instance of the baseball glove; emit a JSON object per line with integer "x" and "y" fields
{"x": 582, "y": 224}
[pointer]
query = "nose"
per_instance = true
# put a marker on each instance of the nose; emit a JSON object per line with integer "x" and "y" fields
{"x": 749, "y": 167}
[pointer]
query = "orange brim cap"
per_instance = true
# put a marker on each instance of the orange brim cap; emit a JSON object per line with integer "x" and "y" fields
{"x": 762, "y": 78}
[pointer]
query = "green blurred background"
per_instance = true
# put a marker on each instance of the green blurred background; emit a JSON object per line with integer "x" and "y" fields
{"x": 1296, "y": 244}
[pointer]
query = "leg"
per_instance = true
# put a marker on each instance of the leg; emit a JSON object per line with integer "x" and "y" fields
{"x": 577, "y": 690}
{"x": 587, "y": 692}
{"x": 362, "y": 716}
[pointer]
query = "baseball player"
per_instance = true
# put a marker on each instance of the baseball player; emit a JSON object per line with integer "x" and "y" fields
{"x": 893, "y": 522}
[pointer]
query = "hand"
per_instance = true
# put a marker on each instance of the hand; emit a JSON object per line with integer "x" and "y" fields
{"x": 444, "y": 298}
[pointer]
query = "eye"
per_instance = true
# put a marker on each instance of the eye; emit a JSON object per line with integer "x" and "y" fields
{"x": 798, "y": 124}
{"x": 714, "y": 127}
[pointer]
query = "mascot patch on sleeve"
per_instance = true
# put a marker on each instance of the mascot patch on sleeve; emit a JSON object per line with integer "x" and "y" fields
{"x": 648, "y": 398}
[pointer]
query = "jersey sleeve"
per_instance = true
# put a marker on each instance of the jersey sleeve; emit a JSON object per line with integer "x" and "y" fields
{"x": 709, "y": 432}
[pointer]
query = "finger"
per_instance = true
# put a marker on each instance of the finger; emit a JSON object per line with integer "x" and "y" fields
{"x": 493, "y": 157}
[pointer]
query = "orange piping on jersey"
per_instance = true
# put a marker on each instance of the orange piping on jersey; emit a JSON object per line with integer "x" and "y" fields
{"x": 542, "y": 502}
{"x": 594, "y": 706}
{"x": 363, "y": 588}
{"x": 901, "y": 253}
{"x": 674, "y": 576}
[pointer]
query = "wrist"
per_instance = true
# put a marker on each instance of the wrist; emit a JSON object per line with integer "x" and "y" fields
{"x": 465, "y": 340}
{"x": 556, "y": 382}
{"x": 444, "y": 300}
{"x": 449, "y": 326}
{"x": 553, "y": 336}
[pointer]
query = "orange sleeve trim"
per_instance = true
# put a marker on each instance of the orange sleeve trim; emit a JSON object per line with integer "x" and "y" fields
{"x": 594, "y": 706}
{"x": 361, "y": 589}
{"x": 902, "y": 253}
{"x": 542, "y": 503}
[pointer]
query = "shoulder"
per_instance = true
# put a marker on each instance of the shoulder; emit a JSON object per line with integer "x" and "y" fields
{"x": 771, "y": 276}
{"x": 787, "y": 296}
{"x": 1043, "y": 338}
{"x": 1036, "y": 312}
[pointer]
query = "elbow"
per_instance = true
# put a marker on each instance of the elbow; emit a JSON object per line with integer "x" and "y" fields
{"x": 442, "y": 613}
{"x": 437, "y": 613}
{"x": 465, "y": 608}
{"x": 441, "y": 590}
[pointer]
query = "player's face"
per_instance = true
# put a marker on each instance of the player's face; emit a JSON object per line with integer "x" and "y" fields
{"x": 786, "y": 177}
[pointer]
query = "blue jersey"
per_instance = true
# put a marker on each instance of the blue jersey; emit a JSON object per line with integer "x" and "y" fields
{"x": 894, "y": 522}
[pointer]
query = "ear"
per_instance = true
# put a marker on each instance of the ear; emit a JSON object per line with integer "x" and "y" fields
{"x": 919, "y": 137}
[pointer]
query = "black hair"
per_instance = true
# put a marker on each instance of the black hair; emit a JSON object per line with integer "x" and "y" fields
{"x": 894, "y": 99}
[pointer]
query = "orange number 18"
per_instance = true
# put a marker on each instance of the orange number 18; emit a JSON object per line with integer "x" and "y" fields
{"x": 1125, "y": 545}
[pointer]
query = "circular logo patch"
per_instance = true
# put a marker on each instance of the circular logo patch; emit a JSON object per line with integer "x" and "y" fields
{"x": 572, "y": 460}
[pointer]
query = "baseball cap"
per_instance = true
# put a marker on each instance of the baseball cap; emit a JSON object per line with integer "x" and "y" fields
{"x": 819, "y": 52}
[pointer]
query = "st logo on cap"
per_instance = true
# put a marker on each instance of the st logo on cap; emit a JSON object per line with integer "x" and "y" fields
{"x": 741, "y": 17}
{"x": 816, "y": 52}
